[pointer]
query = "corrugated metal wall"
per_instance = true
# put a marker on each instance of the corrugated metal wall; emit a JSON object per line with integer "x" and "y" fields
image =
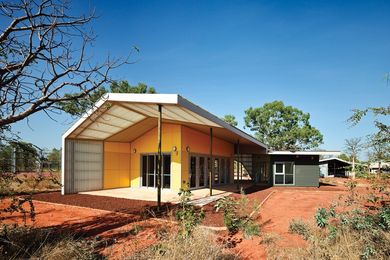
{"x": 83, "y": 166}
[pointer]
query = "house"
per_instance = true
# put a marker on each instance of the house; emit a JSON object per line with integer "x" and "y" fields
{"x": 116, "y": 145}
{"x": 384, "y": 167}
{"x": 334, "y": 167}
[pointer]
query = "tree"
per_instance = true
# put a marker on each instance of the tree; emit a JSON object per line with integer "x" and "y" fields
{"x": 282, "y": 127}
{"x": 54, "y": 159}
{"x": 230, "y": 119}
{"x": 43, "y": 58}
{"x": 353, "y": 147}
{"x": 383, "y": 130}
{"x": 379, "y": 151}
{"x": 78, "y": 107}
{"x": 344, "y": 157}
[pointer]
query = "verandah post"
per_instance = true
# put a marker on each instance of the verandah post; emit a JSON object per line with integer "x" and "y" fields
{"x": 159, "y": 157}
{"x": 211, "y": 164}
{"x": 238, "y": 164}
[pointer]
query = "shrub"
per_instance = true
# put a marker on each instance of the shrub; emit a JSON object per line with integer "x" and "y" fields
{"x": 187, "y": 215}
{"x": 298, "y": 226}
{"x": 361, "y": 232}
{"x": 236, "y": 215}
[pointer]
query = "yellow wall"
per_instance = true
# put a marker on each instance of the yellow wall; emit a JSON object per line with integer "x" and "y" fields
{"x": 118, "y": 157}
{"x": 199, "y": 143}
{"x": 147, "y": 143}
{"x": 116, "y": 165}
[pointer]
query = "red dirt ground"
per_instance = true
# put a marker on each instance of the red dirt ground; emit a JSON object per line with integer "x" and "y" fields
{"x": 113, "y": 218}
{"x": 276, "y": 213}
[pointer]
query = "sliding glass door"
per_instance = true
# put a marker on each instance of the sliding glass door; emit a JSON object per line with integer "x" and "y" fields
{"x": 199, "y": 170}
{"x": 149, "y": 170}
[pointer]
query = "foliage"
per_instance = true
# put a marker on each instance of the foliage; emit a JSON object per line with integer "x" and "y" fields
{"x": 79, "y": 106}
{"x": 379, "y": 150}
{"x": 200, "y": 245}
{"x": 19, "y": 155}
{"x": 344, "y": 157}
{"x": 238, "y": 215}
{"x": 187, "y": 215}
{"x": 44, "y": 58}
{"x": 298, "y": 226}
{"x": 380, "y": 113}
{"x": 283, "y": 127}
{"x": 230, "y": 119}
{"x": 21, "y": 242}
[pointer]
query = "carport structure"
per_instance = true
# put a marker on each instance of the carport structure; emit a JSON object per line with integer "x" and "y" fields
{"x": 120, "y": 142}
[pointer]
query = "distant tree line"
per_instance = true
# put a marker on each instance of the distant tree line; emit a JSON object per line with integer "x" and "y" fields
{"x": 25, "y": 157}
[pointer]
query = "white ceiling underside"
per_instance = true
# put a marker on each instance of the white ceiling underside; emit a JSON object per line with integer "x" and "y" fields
{"x": 115, "y": 114}
{"x": 112, "y": 118}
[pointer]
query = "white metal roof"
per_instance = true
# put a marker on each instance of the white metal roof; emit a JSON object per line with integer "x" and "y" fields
{"x": 115, "y": 112}
{"x": 304, "y": 152}
{"x": 335, "y": 158}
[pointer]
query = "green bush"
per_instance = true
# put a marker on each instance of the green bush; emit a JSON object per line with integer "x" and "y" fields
{"x": 187, "y": 216}
{"x": 237, "y": 215}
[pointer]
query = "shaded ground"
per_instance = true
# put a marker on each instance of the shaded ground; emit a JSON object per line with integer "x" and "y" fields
{"x": 128, "y": 206}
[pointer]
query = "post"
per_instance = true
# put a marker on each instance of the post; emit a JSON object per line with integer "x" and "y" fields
{"x": 238, "y": 164}
{"x": 159, "y": 157}
{"x": 13, "y": 160}
{"x": 211, "y": 164}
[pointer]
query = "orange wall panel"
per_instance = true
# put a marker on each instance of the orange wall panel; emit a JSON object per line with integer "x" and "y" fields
{"x": 116, "y": 165}
{"x": 199, "y": 143}
{"x": 147, "y": 143}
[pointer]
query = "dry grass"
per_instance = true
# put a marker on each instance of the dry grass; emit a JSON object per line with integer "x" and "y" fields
{"x": 348, "y": 244}
{"x": 21, "y": 242}
{"x": 200, "y": 245}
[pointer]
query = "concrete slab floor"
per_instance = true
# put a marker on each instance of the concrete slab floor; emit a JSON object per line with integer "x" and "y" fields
{"x": 150, "y": 194}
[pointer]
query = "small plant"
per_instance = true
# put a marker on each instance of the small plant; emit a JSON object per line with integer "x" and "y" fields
{"x": 298, "y": 226}
{"x": 321, "y": 217}
{"x": 187, "y": 215}
{"x": 384, "y": 218}
{"x": 237, "y": 217}
{"x": 230, "y": 218}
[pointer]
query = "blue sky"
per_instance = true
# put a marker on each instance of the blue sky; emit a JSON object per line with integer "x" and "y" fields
{"x": 322, "y": 57}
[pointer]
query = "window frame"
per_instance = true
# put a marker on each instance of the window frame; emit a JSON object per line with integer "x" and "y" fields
{"x": 283, "y": 173}
{"x": 155, "y": 170}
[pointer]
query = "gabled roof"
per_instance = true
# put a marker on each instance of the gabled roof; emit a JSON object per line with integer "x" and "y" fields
{"x": 116, "y": 112}
{"x": 335, "y": 158}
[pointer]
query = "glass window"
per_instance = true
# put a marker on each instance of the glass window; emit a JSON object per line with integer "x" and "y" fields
{"x": 202, "y": 172}
{"x": 284, "y": 173}
{"x": 279, "y": 179}
{"x": 288, "y": 168}
{"x": 279, "y": 168}
{"x": 216, "y": 170}
{"x": 144, "y": 169}
{"x": 223, "y": 171}
{"x": 227, "y": 170}
{"x": 289, "y": 179}
{"x": 193, "y": 172}
{"x": 166, "y": 171}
